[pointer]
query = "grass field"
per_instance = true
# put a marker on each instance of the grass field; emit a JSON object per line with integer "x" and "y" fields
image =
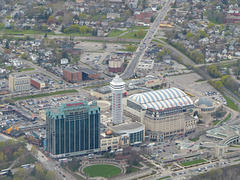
{"x": 115, "y": 32}
{"x": 227, "y": 118}
{"x": 189, "y": 163}
{"x": 231, "y": 104}
{"x": 12, "y": 31}
{"x": 102, "y": 170}
{"x": 166, "y": 177}
{"x": 44, "y": 95}
{"x": 216, "y": 122}
{"x": 194, "y": 139}
{"x": 131, "y": 35}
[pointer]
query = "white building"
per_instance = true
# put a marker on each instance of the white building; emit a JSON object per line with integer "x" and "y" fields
{"x": 64, "y": 61}
{"x": 145, "y": 64}
{"x": 117, "y": 86}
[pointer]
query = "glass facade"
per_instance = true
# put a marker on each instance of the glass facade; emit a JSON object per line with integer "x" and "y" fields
{"x": 73, "y": 129}
{"x": 136, "y": 137}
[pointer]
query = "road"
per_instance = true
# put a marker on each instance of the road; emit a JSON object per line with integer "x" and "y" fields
{"x": 130, "y": 69}
{"x": 50, "y": 164}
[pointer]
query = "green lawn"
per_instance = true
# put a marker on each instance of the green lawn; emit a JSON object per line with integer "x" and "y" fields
{"x": 216, "y": 122}
{"x": 227, "y": 118}
{"x": 132, "y": 170}
{"x": 12, "y": 31}
{"x": 79, "y": 34}
{"x": 10, "y": 68}
{"x": 131, "y": 35}
{"x": 102, "y": 170}
{"x": 139, "y": 27}
{"x": 194, "y": 139}
{"x": 116, "y": 32}
{"x": 231, "y": 104}
{"x": 166, "y": 177}
{"x": 189, "y": 163}
{"x": 44, "y": 95}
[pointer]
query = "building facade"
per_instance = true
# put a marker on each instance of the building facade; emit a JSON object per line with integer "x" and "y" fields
{"x": 18, "y": 83}
{"x": 164, "y": 112}
{"x": 73, "y": 129}
{"x": 72, "y": 76}
{"x": 37, "y": 83}
{"x": 134, "y": 132}
{"x": 116, "y": 64}
{"x": 117, "y": 87}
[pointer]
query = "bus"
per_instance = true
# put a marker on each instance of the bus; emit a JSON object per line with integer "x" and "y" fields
{"x": 25, "y": 166}
{"x": 5, "y": 170}
{"x": 3, "y": 173}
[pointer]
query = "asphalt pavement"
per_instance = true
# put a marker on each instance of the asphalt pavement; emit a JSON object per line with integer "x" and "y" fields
{"x": 130, "y": 69}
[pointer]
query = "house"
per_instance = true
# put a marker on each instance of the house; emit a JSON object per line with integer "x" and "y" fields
{"x": 167, "y": 59}
{"x": 113, "y": 15}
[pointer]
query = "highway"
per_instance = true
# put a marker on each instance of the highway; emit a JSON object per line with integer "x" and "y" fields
{"x": 130, "y": 69}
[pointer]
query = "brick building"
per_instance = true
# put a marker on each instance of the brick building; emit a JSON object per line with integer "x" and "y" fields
{"x": 37, "y": 83}
{"x": 116, "y": 64}
{"x": 143, "y": 16}
{"x": 88, "y": 74}
{"x": 76, "y": 76}
{"x": 72, "y": 75}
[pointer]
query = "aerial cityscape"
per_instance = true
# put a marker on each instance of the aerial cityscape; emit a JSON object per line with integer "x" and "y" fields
{"x": 119, "y": 89}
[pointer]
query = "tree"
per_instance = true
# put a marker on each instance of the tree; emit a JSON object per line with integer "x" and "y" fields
{"x": 160, "y": 54}
{"x": 9, "y": 101}
{"x": 34, "y": 150}
{"x": 51, "y": 175}
{"x": 130, "y": 48}
{"x": 3, "y": 157}
{"x": 211, "y": 25}
{"x": 82, "y": 16}
{"x": 24, "y": 56}
{"x": 52, "y": 20}
{"x": 189, "y": 35}
{"x": 218, "y": 85}
{"x": 39, "y": 172}
{"x": 83, "y": 29}
{"x": 102, "y": 18}
{"x": 140, "y": 33}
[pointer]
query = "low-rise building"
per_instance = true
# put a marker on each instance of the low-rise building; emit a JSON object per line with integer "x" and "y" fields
{"x": 135, "y": 131}
{"x": 18, "y": 82}
{"x": 116, "y": 64}
{"x": 145, "y": 64}
{"x": 72, "y": 75}
{"x": 37, "y": 83}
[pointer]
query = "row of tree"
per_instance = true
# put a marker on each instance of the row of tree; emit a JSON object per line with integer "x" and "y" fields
{"x": 77, "y": 29}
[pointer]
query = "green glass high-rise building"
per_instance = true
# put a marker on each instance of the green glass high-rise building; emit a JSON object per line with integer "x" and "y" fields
{"x": 73, "y": 129}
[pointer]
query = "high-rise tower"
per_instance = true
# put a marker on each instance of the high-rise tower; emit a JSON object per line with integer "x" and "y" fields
{"x": 117, "y": 86}
{"x": 73, "y": 129}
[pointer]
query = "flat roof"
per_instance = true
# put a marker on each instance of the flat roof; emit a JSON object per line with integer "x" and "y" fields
{"x": 37, "y": 80}
{"x": 127, "y": 127}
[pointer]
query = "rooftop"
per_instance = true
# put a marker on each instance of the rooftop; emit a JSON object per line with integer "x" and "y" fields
{"x": 161, "y": 99}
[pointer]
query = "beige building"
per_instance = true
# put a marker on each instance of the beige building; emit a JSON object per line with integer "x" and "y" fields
{"x": 112, "y": 142}
{"x": 163, "y": 112}
{"x": 18, "y": 82}
{"x": 42, "y": 114}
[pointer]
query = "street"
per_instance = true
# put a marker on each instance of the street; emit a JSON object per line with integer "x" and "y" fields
{"x": 130, "y": 69}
